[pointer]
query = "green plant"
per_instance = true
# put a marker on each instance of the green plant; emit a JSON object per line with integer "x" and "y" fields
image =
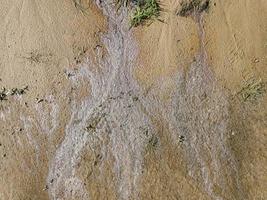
{"x": 145, "y": 10}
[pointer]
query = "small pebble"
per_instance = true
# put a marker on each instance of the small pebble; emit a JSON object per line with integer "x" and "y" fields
{"x": 256, "y": 60}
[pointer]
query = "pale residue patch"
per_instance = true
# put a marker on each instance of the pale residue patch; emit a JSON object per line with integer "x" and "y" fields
{"x": 199, "y": 112}
{"x": 47, "y": 115}
{"x": 113, "y": 111}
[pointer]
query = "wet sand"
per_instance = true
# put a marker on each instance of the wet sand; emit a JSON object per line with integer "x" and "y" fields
{"x": 153, "y": 112}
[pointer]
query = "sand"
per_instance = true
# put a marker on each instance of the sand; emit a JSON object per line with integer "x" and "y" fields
{"x": 153, "y": 112}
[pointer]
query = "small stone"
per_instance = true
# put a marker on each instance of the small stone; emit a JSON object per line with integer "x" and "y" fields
{"x": 40, "y": 100}
{"x": 181, "y": 138}
{"x": 46, "y": 188}
{"x": 256, "y": 60}
{"x": 135, "y": 98}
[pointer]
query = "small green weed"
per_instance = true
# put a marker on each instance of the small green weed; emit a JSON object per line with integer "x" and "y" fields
{"x": 145, "y": 10}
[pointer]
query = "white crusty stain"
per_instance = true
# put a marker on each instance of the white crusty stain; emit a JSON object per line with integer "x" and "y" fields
{"x": 199, "y": 112}
{"x": 113, "y": 110}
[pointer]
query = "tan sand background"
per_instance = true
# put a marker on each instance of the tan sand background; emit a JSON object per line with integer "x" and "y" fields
{"x": 44, "y": 42}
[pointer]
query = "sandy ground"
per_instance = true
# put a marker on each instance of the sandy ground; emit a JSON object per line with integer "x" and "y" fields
{"x": 154, "y": 112}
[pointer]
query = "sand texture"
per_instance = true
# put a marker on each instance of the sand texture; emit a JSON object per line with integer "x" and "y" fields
{"x": 91, "y": 109}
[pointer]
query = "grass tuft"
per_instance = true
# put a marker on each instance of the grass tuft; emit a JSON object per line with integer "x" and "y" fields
{"x": 188, "y": 7}
{"x": 145, "y": 10}
{"x": 252, "y": 90}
